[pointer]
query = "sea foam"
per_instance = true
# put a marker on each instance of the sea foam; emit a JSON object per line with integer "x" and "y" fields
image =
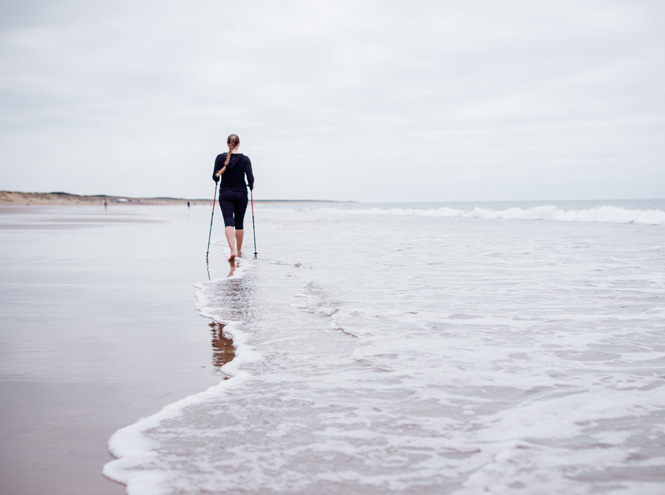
{"x": 487, "y": 356}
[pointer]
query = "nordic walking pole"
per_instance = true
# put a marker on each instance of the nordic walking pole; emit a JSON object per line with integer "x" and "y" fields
{"x": 211, "y": 217}
{"x": 251, "y": 194}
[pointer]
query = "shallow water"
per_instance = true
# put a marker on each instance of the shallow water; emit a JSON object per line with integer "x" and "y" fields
{"x": 417, "y": 353}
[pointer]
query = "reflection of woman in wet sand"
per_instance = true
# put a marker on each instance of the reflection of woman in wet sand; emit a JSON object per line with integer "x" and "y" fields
{"x": 232, "y": 167}
{"x": 222, "y": 346}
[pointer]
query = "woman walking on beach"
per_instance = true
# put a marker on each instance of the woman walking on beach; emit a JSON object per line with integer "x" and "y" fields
{"x": 232, "y": 167}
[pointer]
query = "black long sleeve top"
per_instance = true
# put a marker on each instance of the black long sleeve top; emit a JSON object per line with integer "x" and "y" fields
{"x": 234, "y": 175}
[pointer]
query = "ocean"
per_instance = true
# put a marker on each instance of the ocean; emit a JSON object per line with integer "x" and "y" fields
{"x": 424, "y": 349}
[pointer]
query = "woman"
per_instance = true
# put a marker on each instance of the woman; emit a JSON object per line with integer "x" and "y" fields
{"x": 232, "y": 167}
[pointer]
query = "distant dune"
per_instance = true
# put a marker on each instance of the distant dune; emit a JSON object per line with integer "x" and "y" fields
{"x": 62, "y": 198}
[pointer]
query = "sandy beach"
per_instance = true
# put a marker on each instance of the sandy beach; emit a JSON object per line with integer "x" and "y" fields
{"x": 99, "y": 329}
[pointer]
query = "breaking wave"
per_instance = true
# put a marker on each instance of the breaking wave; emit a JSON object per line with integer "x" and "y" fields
{"x": 603, "y": 214}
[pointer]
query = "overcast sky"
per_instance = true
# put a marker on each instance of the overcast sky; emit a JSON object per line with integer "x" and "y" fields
{"x": 447, "y": 100}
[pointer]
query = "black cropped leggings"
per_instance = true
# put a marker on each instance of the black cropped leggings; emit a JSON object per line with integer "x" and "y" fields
{"x": 233, "y": 205}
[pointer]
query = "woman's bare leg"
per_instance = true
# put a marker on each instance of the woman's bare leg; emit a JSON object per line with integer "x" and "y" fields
{"x": 231, "y": 239}
{"x": 240, "y": 235}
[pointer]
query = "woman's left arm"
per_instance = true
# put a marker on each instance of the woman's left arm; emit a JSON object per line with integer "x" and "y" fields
{"x": 218, "y": 166}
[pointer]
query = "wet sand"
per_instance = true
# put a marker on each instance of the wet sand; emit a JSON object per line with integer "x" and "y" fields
{"x": 98, "y": 328}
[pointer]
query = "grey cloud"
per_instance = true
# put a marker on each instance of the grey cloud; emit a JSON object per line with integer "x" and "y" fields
{"x": 481, "y": 99}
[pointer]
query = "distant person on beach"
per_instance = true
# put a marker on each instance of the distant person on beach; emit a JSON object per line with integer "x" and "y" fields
{"x": 232, "y": 167}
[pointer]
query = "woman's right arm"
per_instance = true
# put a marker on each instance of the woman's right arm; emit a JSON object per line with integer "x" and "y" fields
{"x": 248, "y": 172}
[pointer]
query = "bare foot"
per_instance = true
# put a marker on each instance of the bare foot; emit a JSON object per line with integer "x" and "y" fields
{"x": 239, "y": 254}
{"x": 232, "y": 257}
